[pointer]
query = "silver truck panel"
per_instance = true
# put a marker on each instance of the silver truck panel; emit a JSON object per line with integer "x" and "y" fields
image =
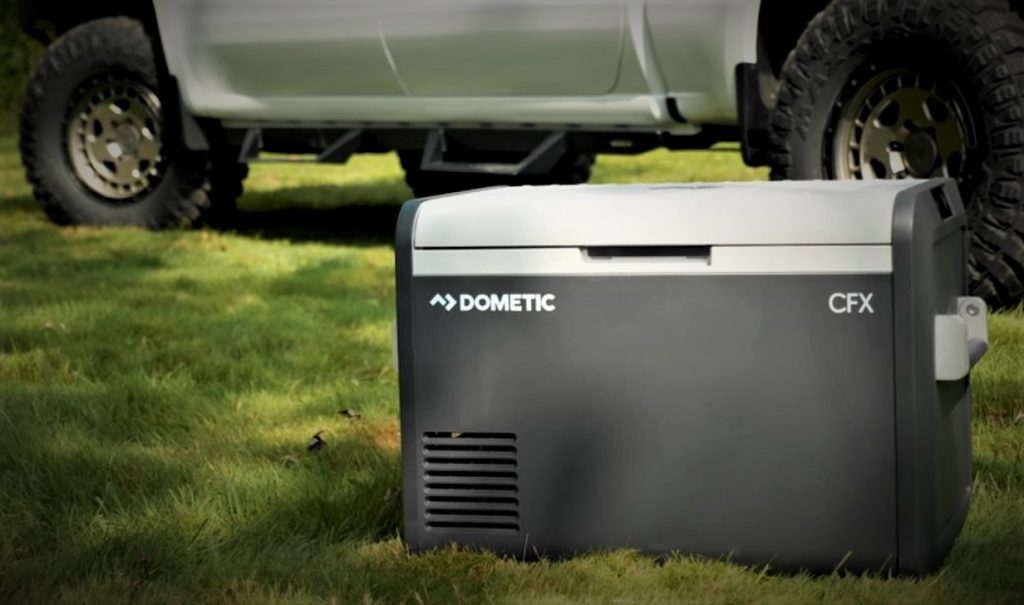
{"x": 472, "y": 48}
{"x": 698, "y": 44}
{"x": 592, "y": 63}
{"x": 263, "y": 49}
{"x": 275, "y": 52}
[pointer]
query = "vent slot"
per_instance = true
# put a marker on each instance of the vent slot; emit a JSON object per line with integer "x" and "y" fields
{"x": 455, "y": 512}
{"x": 480, "y": 473}
{"x": 469, "y": 487}
{"x": 469, "y": 447}
{"x": 448, "y": 436}
{"x": 473, "y": 525}
{"x": 470, "y": 482}
{"x": 480, "y": 463}
{"x": 471, "y": 500}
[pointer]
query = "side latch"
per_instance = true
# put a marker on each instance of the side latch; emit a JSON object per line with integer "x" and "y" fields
{"x": 960, "y": 340}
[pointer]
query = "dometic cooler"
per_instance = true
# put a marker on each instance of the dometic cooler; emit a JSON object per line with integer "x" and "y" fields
{"x": 772, "y": 372}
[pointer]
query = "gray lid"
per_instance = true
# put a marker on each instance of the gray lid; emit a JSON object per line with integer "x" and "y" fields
{"x": 779, "y": 213}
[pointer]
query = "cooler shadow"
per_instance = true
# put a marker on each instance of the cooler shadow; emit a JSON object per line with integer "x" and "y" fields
{"x": 983, "y": 557}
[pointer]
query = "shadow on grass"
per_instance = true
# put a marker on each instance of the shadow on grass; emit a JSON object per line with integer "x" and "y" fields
{"x": 979, "y": 566}
{"x": 366, "y": 225}
{"x": 86, "y": 502}
{"x": 17, "y": 203}
{"x": 125, "y": 449}
{"x": 358, "y": 214}
{"x": 336, "y": 215}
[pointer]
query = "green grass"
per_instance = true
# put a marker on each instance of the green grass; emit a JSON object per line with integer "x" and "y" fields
{"x": 157, "y": 391}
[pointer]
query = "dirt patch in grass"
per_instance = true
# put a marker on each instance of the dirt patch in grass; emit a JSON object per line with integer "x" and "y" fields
{"x": 386, "y": 435}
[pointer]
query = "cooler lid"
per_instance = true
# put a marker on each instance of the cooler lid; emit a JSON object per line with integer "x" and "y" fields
{"x": 756, "y": 213}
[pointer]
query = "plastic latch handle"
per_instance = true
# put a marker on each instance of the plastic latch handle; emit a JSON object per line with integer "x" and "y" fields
{"x": 972, "y": 310}
{"x": 960, "y": 340}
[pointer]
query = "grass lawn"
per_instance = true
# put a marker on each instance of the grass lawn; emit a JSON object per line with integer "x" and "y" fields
{"x": 158, "y": 390}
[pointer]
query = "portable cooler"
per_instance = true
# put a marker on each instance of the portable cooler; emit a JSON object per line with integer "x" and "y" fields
{"x": 773, "y": 372}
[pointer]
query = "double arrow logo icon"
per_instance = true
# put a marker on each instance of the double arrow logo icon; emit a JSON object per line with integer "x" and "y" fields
{"x": 448, "y": 301}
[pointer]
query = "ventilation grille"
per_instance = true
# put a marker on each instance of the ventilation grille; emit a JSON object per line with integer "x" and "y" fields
{"x": 471, "y": 482}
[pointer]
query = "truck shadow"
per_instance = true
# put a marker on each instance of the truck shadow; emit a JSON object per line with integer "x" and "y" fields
{"x": 357, "y": 225}
{"x": 354, "y": 214}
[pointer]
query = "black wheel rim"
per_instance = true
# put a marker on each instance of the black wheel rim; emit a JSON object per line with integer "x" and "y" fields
{"x": 114, "y": 140}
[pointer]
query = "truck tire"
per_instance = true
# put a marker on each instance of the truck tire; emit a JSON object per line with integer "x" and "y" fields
{"x": 922, "y": 88}
{"x": 99, "y": 137}
{"x": 571, "y": 169}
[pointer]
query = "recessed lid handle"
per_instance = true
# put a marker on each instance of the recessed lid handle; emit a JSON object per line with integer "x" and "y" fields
{"x": 690, "y": 253}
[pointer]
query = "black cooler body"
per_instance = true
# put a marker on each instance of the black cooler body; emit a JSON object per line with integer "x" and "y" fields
{"x": 775, "y": 373}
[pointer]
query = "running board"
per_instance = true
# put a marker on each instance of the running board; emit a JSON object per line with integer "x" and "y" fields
{"x": 539, "y": 160}
{"x": 337, "y": 152}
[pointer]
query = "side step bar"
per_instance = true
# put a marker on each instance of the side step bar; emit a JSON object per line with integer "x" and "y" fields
{"x": 336, "y": 152}
{"x": 538, "y": 161}
{"x": 336, "y": 147}
{"x": 501, "y": 153}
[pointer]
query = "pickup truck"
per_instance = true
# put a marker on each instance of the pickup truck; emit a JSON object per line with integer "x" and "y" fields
{"x": 147, "y": 112}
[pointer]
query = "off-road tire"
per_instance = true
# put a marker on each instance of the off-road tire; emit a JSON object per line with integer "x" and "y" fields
{"x": 978, "y": 46}
{"x": 116, "y": 48}
{"x": 573, "y": 168}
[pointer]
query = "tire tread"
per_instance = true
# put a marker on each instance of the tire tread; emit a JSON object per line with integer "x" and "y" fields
{"x": 988, "y": 37}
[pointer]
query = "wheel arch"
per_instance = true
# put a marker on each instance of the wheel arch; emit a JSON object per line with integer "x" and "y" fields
{"x": 47, "y": 20}
{"x": 780, "y": 24}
